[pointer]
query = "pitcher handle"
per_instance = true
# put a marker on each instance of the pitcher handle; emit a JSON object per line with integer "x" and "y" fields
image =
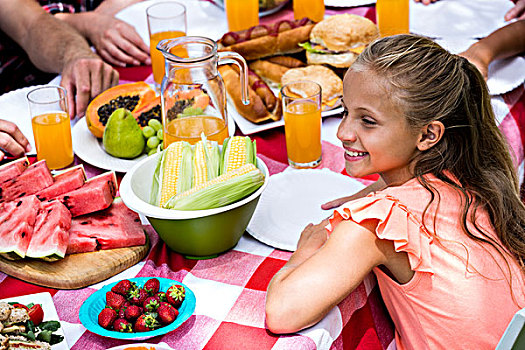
{"x": 228, "y": 57}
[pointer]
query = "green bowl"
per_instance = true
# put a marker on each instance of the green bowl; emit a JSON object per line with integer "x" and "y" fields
{"x": 194, "y": 233}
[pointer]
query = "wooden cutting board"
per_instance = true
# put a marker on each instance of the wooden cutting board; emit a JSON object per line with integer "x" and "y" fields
{"x": 75, "y": 270}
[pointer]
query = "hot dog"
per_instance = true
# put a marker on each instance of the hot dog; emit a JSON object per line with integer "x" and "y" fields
{"x": 263, "y": 103}
{"x": 268, "y": 40}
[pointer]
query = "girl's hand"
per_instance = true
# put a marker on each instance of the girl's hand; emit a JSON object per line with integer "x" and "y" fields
{"x": 336, "y": 202}
{"x": 426, "y": 2}
{"x": 518, "y": 11}
{"x": 312, "y": 238}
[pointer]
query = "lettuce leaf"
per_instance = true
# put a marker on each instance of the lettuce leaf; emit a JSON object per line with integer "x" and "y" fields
{"x": 308, "y": 47}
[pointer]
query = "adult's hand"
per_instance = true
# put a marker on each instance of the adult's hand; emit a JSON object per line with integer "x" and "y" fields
{"x": 84, "y": 77}
{"x": 518, "y": 11}
{"x": 12, "y": 140}
{"x": 116, "y": 41}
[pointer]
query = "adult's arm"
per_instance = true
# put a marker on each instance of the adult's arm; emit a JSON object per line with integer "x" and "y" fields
{"x": 116, "y": 41}
{"x": 53, "y": 46}
{"x": 505, "y": 42}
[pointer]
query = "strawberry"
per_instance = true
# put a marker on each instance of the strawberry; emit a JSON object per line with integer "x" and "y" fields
{"x": 152, "y": 286}
{"x": 167, "y": 313}
{"x": 114, "y": 300}
{"x": 161, "y": 296}
{"x": 132, "y": 312}
{"x": 137, "y": 296}
{"x": 151, "y": 304}
{"x": 146, "y": 323}
{"x": 123, "y": 287}
{"x": 106, "y": 317}
{"x": 122, "y": 325}
{"x": 175, "y": 295}
{"x": 122, "y": 310}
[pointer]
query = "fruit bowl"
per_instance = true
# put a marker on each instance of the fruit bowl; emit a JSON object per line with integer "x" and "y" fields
{"x": 88, "y": 313}
{"x": 193, "y": 233}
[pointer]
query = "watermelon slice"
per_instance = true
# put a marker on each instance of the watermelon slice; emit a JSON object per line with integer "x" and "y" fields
{"x": 51, "y": 233}
{"x": 12, "y": 169}
{"x": 67, "y": 181}
{"x": 17, "y": 220}
{"x": 96, "y": 194}
{"x": 35, "y": 178}
{"x": 115, "y": 227}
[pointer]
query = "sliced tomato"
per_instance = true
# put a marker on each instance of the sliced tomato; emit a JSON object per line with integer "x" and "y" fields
{"x": 20, "y": 306}
{"x": 36, "y": 314}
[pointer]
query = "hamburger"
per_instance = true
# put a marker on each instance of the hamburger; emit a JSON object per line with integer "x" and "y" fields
{"x": 339, "y": 39}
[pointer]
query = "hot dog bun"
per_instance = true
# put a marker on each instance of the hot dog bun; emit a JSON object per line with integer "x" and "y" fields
{"x": 263, "y": 105}
{"x": 263, "y": 41}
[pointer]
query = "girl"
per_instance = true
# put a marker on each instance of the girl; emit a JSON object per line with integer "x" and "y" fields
{"x": 446, "y": 235}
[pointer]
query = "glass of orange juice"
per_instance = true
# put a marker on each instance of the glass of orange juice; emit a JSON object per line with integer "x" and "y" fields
{"x": 166, "y": 20}
{"x": 313, "y": 9}
{"x": 51, "y": 126}
{"x": 241, "y": 14}
{"x": 392, "y": 17}
{"x": 302, "y": 123}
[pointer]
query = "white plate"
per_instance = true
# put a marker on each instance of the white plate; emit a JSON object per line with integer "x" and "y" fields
{"x": 50, "y": 312}
{"x": 14, "y": 108}
{"x": 203, "y": 18}
{"x": 348, "y": 3}
{"x": 292, "y": 200}
{"x": 88, "y": 148}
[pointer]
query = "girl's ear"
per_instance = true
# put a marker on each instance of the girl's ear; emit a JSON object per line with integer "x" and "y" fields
{"x": 430, "y": 135}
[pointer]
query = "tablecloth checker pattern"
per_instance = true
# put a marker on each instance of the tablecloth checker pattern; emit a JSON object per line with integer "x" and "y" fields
{"x": 230, "y": 292}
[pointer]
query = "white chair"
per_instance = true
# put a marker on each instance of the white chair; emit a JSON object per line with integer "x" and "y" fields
{"x": 514, "y": 336}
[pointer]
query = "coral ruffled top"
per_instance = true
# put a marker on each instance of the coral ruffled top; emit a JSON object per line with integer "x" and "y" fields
{"x": 459, "y": 296}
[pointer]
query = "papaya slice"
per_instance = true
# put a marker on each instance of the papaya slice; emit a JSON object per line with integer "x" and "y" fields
{"x": 133, "y": 96}
{"x": 186, "y": 103}
{"x": 149, "y": 110}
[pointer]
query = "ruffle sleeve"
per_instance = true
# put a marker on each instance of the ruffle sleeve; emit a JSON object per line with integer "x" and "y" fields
{"x": 395, "y": 223}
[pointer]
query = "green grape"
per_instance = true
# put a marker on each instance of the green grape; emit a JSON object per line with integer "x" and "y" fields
{"x": 153, "y": 142}
{"x": 160, "y": 135}
{"x": 148, "y": 132}
{"x": 155, "y": 124}
{"x": 152, "y": 151}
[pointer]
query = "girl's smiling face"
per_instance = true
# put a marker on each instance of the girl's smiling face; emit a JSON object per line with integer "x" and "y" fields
{"x": 374, "y": 131}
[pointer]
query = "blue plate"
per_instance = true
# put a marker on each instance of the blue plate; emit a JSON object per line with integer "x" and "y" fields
{"x": 97, "y": 301}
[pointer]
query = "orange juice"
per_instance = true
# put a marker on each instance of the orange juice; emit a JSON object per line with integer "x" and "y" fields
{"x": 392, "y": 17}
{"x": 157, "y": 59}
{"x": 313, "y": 9}
{"x": 241, "y": 14}
{"x": 52, "y": 133}
{"x": 189, "y": 129}
{"x": 302, "y": 126}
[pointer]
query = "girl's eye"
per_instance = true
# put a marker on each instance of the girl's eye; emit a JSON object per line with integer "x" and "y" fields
{"x": 368, "y": 121}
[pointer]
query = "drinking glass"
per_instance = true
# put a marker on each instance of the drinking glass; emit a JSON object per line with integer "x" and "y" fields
{"x": 313, "y": 9}
{"x": 302, "y": 123}
{"x": 392, "y": 17}
{"x": 51, "y": 127}
{"x": 166, "y": 20}
{"x": 241, "y": 14}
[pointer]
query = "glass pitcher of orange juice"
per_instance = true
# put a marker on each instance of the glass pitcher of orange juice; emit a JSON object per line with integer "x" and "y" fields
{"x": 193, "y": 96}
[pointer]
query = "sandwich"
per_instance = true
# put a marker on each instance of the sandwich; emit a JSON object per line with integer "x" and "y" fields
{"x": 331, "y": 84}
{"x": 339, "y": 39}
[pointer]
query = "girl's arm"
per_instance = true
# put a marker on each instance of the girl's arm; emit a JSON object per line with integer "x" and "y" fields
{"x": 504, "y": 42}
{"x": 321, "y": 273}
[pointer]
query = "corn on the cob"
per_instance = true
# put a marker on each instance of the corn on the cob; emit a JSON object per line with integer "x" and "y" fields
{"x": 205, "y": 161}
{"x": 236, "y": 152}
{"x": 173, "y": 174}
{"x": 223, "y": 190}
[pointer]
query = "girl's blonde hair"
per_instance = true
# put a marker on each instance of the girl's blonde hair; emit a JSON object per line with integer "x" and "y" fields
{"x": 433, "y": 84}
